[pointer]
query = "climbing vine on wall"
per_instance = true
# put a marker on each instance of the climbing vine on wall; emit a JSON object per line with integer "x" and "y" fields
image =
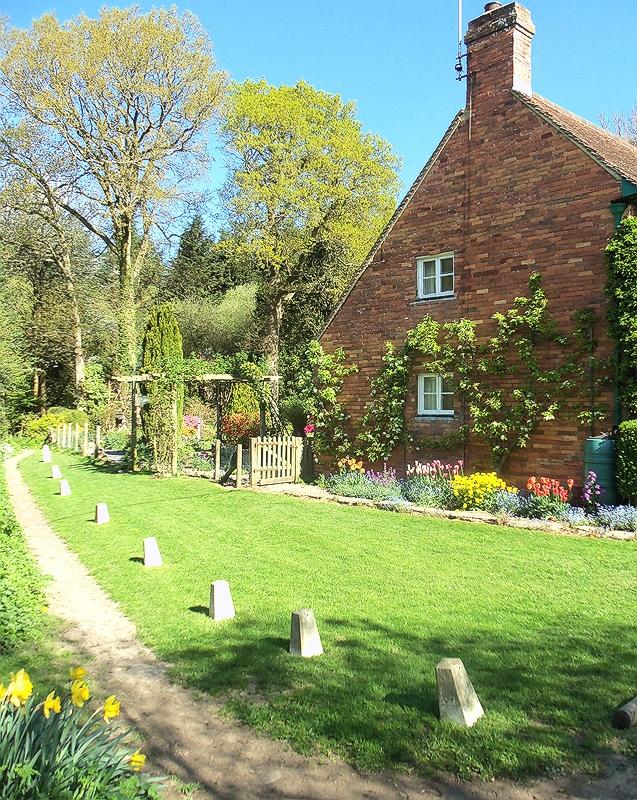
{"x": 526, "y": 373}
{"x": 621, "y": 290}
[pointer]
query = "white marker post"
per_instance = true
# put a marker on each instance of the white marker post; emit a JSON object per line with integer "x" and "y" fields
{"x": 221, "y": 605}
{"x": 152, "y": 556}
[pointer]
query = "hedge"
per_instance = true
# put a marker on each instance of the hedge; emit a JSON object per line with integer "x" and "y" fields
{"x": 627, "y": 460}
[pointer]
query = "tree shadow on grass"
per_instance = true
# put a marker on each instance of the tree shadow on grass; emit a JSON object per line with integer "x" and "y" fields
{"x": 548, "y": 693}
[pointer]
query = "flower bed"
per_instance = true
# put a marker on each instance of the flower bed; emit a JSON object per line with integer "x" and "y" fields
{"x": 445, "y": 487}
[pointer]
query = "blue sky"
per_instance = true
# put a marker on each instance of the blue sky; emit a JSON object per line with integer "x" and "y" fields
{"x": 396, "y": 59}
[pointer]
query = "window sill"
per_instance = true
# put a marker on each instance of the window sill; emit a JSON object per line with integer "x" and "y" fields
{"x": 433, "y": 299}
{"x": 436, "y": 415}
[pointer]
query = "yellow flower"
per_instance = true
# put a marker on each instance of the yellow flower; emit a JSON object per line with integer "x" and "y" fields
{"x": 3, "y": 692}
{"x": 111, "y": 708}
{"x": 137, "y": 761}
{"x": 52, "y": 703}
{"x": 20, "y": 688}
{"x": 77, "y": 673}
{"x": 79, "y": 693}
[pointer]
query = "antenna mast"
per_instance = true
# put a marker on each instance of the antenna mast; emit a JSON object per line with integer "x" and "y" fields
{"x": 460, "y": 73}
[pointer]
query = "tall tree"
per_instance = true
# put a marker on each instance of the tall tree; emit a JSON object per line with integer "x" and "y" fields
{"x": 204, "y": 268}
{"x": 29, "y": 171}
{"x": 126, "y": 98}
{"x": 308, "y": 192}
{"x": 162, "y": 354}
{"x": 624, "y": 125}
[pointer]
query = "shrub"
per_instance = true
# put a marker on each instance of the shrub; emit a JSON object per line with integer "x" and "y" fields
{"x": 474, "y": 491}
{"x": 627, "y": 460}
{"x": 36, "y": 428}
{"x": 244, "y": 400}
{"x": 428, "y": 491}
{"x": 239, "y": 427}
{"x": 116, "y": 439}
{"x": 543, "y": 507}
{"x": 51, "y": 747}
{"x": 366, "y": 485}
{"x": 618, "y": 518}
{"x": 506, "y": 503}
{"x": 21, "y": 596}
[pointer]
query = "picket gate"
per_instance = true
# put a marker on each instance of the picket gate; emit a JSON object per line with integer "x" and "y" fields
{"x": 275, "y": 459}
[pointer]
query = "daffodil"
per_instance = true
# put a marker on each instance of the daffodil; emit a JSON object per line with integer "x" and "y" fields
{"x": 79, "y": 693}
{"x": 137, "y": 761}
{"x": 20, "y": 688}
{"x": 77, "y": 673}
{"x": 111, "y": 708}
{"x": 3, "y": 692}
{"x": 51, "y": 704}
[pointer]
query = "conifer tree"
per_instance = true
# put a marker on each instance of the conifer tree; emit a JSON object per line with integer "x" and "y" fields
{"x": 162, "y": 355}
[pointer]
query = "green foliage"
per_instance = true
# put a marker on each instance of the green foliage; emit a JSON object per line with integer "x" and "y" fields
{"x": 429, "y": 491}
{"x": 211, "y": 326}
{"x": 244, "y": 400}
{"x": 37, "y": 428}
{"x": 116, "y": 439}
{"x": 203, "y": 269}
{"x": 162, "y": 354}
{"x": 626, "y": 465}
{"x": 525, "y": 374}
{"x": 360, "y": 484}
{"x": 319, "y": 386}
{"x": 67, "y": 756}
{"x": 21, "y": 595}
{"x": 307, "y": 195}
{"x": 95, "y": 393}
{"x": 383, "y": 424}
{"x": 621, "y": 290}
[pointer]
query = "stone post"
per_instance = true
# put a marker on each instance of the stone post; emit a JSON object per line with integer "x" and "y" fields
{"x": 101, "y": 514}
{"x": 65, "y": 488}
{"x": 56, "y": 472}
{"x": 457, "y": 699}
{"x": 221, "y": 605}
{"x": 304, "y": 636}
{"x": 152, "y": 556}
{"x": 46, "y": 454}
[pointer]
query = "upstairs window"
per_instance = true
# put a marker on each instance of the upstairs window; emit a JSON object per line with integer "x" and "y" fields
{"x": 435, "y": 396}
{"x": 435, "y": 276}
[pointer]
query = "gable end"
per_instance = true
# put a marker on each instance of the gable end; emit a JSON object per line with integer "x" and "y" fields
{"x": 397, "y": 214}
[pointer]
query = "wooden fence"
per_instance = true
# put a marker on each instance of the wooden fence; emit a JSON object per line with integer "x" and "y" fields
{"x": 275, "y": 459}
{"x": 73, "y": 436}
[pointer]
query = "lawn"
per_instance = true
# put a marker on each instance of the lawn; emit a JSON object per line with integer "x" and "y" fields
{"x": 546, "y": 625}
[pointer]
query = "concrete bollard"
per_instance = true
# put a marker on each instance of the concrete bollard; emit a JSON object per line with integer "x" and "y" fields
{"x": 221, "y": 605}
{"x": 626, "y": 716}
{"x": 152, "y": 556}
{"x": 304, "y": 636}
{"x": 46, "y": 454}
{"x": 457, "y": 699}
{"x": 56, "y": 472}
{"x": 101, "y": 514}
{"x": 65, "y": 488}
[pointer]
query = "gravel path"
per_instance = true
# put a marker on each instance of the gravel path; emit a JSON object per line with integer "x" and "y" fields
{"x": 183, "y": 731}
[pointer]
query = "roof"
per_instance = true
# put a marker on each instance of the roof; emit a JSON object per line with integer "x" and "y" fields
{"x": 397, "y": 213}
{"x": 616, "y": 155}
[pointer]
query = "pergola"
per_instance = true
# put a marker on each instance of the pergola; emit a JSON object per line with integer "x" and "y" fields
{"x": 221, "y": 384}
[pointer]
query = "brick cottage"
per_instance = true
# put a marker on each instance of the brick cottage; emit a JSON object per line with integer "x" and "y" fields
{"x": 516, "y": 185}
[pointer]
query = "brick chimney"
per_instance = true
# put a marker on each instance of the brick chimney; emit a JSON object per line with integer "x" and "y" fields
{"x": 499, "y": 51}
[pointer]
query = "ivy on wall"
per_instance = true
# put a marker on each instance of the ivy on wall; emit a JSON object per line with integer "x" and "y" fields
{"x": 525, "y": 374}
{"x": 621, "y": 290}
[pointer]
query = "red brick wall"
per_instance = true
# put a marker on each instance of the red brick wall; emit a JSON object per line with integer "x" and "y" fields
{"x": 514, "y": 197}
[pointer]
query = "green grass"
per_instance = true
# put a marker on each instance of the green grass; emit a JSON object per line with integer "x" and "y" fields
{"x": 546, "y": 625}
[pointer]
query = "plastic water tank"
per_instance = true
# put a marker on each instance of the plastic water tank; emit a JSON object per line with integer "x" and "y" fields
{"x": 599, "y": 457}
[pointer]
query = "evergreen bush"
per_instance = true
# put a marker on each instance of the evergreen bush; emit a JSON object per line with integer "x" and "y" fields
{"x": 627, "y": 460}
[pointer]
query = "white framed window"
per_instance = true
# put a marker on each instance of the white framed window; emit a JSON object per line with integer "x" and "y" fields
{"x": 435, "y": 396}
{"x": 435, "y": 276}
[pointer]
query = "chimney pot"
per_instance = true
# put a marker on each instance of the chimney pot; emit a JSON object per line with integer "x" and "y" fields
{"x": 492, "y": 6}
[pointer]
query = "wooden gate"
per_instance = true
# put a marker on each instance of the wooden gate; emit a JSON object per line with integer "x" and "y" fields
{"x": 275, "y": 459}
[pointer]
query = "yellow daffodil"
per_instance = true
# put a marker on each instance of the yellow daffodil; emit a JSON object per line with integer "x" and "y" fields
{"x": 79, "y": 693}
{"x": 137, "y": 761}
{"x": 20, "y": 688}
{"x": 3, "y": 692}
{"x": 77, "y": 673}
{"x": 51, "y": 704}
{"x": 111, "y": 708}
